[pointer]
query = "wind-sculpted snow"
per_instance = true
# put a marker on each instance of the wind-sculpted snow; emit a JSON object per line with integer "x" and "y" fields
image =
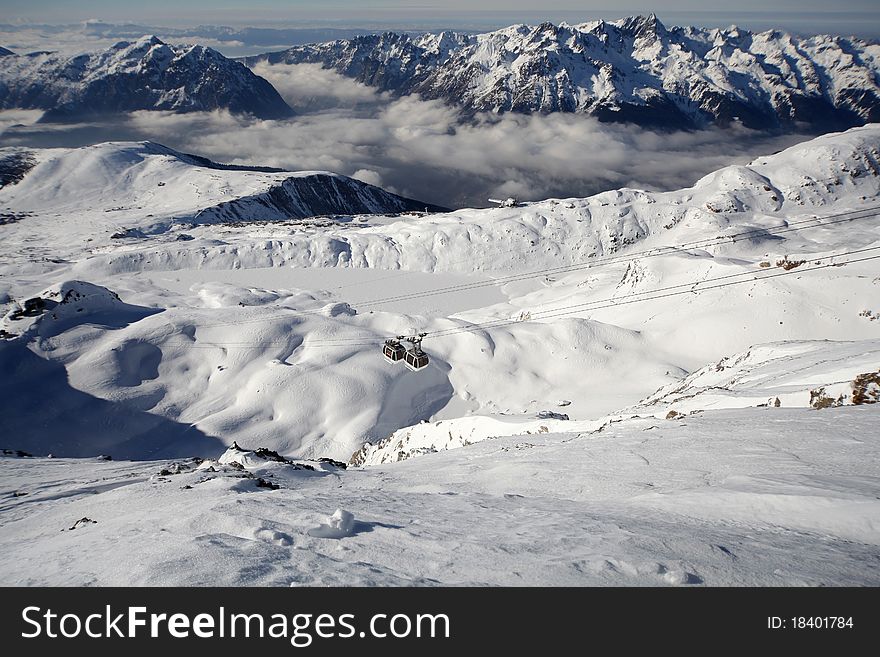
{"x": 633, "y": 70}
{"x": 146, "y": 74}
{"x": 752, "y": 497}
{"x": 287, "y": 391}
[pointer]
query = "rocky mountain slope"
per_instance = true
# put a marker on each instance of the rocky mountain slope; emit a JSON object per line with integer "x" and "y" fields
{"x": 146, "y": 74}
{"x": 634, "y": 70}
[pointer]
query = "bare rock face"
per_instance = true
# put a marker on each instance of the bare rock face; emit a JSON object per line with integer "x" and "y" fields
{"x": 313, "y": 195}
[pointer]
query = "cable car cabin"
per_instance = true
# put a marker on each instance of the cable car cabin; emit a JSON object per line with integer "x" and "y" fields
{"x": 416, "y": 359}
{"x": 393, "y": 351}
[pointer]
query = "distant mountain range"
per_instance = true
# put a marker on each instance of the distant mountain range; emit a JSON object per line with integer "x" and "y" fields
{"x": 631, "y": 70}
{"x": 146, "y": 74}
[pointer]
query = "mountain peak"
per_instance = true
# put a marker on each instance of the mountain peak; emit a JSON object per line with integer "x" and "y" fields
{"x": 151, "y": 40}
{"x": 547, "y": 26}
{"x": 643, "y": 26}
{"x": 145, "y": 42}
{"x": 136, "y": 174}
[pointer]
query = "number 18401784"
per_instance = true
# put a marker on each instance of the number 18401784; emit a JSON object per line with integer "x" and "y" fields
{"x": 810, "y": 623}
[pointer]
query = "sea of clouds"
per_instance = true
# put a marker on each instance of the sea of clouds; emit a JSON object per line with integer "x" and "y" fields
{"x": 423, "y": 149}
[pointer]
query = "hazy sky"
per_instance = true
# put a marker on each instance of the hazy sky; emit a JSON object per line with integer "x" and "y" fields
{"x": 396, "y": 12}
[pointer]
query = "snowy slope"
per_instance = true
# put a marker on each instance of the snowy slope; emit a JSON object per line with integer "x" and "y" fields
{"x": 791, "y": 374}
{"x": 236, "y": 342}
{"x": 147, "y": 186}
{"x": 634, "y": 69}
{"x": 774, "y": 497}
{"x": 817, "y": 374}
{"x": 146, "y": 74}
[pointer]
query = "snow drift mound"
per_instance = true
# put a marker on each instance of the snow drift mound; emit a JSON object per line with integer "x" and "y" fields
{"x": 284, "y": 379}
{"x": 64, "y": 305}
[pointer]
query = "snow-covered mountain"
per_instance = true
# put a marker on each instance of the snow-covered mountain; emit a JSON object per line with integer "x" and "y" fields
{"x": 634, "y": 69}
{"x": 146, "y": 74}
{"x": 270, "y": 332}
{"x": 147, "y": 187}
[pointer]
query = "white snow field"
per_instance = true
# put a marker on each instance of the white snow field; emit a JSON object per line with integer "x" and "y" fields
{"x": 632, "y": 388}
{"x": 779, "y": 497}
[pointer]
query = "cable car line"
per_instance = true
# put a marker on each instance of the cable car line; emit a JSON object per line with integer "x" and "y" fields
{"x": 739, "y": 195}
{"x": 596, "y": 262}
{"x": 648, "y": 295}
{"x": 577, "y": 308}
{"x": 605, "y": 260}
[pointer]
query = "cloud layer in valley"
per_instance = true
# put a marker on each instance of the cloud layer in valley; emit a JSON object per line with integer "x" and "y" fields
{"x": 420, "y": 148}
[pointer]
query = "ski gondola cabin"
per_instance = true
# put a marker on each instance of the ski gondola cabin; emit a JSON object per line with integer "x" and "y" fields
{"x": 416, "y": 359}
{"x": 393, "y": 351}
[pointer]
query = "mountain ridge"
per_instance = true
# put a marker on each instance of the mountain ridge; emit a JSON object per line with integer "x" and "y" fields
{"x": 632, "y": 70}
{"x": 153, "y": 186}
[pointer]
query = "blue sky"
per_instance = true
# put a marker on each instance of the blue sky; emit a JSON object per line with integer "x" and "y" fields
{"x": 212, "y": 10}
{"x": 846, "y": 16}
